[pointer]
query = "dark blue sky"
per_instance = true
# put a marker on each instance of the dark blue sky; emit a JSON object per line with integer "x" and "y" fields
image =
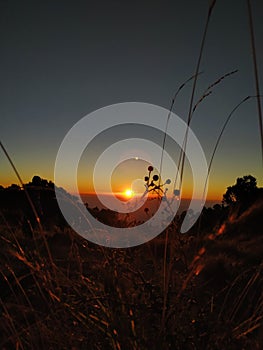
{"x": 61, "y": 60}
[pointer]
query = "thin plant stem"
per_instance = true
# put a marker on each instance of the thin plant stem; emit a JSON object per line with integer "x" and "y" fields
{"x": 210, "y": 10}
{"x": 218, "y": 141}
{"x": 206, "y": 93}
{"x": 182, "y": 155}
{"x": 253, "y": 45}
{"x": 31, "y": 205}
{"x": 168, "y": 119}
{"x": 23, "y": 186}
{"x": 221, "y": 134}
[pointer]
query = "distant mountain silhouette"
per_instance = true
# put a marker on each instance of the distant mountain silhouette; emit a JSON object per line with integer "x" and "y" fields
{"x": 16, "y": 209}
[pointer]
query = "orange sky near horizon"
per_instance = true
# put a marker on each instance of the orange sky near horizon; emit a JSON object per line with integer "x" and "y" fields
{"x": 216, "y": 189}
{"x": 61, "y": 63}
{"x": 218, "y": 183}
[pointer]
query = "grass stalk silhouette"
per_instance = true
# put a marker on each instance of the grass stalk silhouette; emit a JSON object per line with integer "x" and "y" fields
{"x": 205, "y": 94}
{"x": 82, "y": 303}
{"x": 34, "y": 210}
{"x": 222, "y": 132}
{"x": 23, "y": 186}
{"x": 217, "y": 144}
{"x": 195, "y": 76}
{"x": 168, "y": 119}
{"x": 256, "y": 75}
{"x": 209, "y": 14}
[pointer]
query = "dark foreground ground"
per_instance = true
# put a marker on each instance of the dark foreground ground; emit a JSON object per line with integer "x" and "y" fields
{"x": 200, "y": 290}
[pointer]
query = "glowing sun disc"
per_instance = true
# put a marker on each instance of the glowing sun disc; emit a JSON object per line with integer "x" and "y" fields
{"x": 128, "y": 193}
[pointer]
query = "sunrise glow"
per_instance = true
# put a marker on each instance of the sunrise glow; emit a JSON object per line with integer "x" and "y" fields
{"x": 128, "y": 193}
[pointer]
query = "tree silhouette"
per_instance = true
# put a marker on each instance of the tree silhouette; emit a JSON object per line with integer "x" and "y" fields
{"x": 36, "y": 181}
{"x": 14, "y": 187}
{"x": 39, "y": 182}
{"x": 243, "y": 193}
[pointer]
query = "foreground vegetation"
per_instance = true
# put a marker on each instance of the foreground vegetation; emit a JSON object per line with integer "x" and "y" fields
{"x": 200, "y": 290}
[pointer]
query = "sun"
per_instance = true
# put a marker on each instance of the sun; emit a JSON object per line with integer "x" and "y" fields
{"x": 128, "y": 193}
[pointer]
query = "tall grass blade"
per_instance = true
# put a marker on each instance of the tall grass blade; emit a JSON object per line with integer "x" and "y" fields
{"x": 253, "y": 45}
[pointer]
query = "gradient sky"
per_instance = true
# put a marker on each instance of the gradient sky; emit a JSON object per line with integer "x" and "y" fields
{"x": 60, "y": 60}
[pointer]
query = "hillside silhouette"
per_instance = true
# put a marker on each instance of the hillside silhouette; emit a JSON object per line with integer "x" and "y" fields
{"x": 201, "y": 289}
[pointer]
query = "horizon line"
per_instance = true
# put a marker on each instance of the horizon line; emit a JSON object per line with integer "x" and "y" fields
{"x": 138, "y": 195}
